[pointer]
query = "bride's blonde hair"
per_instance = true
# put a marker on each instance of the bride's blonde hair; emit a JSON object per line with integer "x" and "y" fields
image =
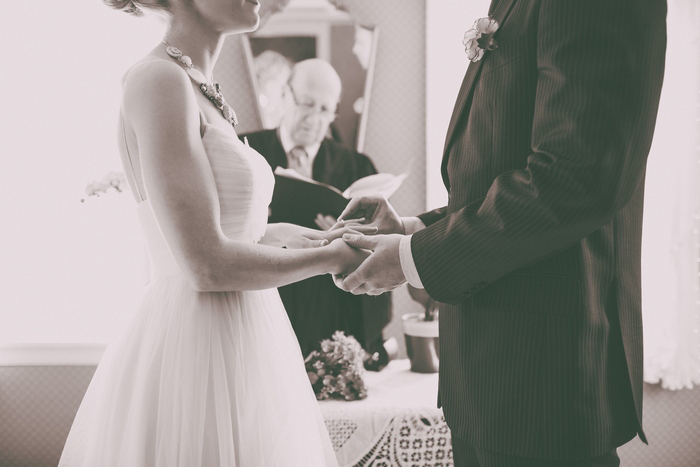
{"x": 137, "y": 7}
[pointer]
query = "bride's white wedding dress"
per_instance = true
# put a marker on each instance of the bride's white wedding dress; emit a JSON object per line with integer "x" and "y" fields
{"x": 204, "y": 379}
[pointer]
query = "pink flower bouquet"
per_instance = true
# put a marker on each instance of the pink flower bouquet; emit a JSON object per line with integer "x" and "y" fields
{"x": 337, "y": 370}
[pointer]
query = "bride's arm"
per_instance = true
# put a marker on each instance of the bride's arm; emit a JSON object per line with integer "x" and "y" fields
{"x": 160, "y": 108}
{"x": 280, "y": 234}
{"x": 283, "y": 234}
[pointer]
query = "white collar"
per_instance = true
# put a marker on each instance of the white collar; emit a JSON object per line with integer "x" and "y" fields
{"x": 288, "y": 144}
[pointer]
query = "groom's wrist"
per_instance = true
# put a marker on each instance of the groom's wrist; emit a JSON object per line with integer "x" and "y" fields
{"x": 408, "y": 265}
{"x": 411, "y": 225}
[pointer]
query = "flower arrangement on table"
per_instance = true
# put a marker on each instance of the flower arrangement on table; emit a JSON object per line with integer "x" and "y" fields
{"x": 337, "y": 370}
{"x": 113, "y": 180}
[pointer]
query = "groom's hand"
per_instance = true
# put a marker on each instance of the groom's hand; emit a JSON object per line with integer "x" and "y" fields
{"x": 381, "y": 271}
{"x": 376, "y": 211}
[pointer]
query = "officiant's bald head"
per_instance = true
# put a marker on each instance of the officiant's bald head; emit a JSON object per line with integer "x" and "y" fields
{"x": 312, "y": 100}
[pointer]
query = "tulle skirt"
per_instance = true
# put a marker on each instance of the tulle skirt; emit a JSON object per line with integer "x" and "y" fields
{"x": 201, "y": 379}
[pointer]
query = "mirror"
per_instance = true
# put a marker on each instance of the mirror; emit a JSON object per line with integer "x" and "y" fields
{"x": 295, "y": 30}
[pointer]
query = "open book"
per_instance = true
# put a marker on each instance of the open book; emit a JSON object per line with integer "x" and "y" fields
{"x": 298, "y": 199}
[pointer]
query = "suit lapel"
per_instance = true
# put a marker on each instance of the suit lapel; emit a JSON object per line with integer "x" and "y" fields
{"x": 462, "y": 97}
{"x": 500, "y": 9}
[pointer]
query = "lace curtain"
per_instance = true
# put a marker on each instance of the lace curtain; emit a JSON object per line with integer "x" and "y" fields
{"x": 671, "y": 241}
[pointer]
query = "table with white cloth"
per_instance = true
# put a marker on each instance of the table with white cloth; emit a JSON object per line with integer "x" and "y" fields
{"x": 398, "y": 424}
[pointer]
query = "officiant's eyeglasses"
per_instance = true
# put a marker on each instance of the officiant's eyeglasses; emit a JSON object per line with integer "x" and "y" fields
{"x": 309, "y": 107}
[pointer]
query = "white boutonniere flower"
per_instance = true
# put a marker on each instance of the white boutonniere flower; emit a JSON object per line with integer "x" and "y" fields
{"x": 479, "y": 38}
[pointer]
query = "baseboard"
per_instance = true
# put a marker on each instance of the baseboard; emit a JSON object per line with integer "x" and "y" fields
{"x": 36, "y": 354}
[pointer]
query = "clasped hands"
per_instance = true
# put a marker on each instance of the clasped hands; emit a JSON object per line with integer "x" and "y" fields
{"x": 364, "y": 242}
{"x": 377, "y": 229}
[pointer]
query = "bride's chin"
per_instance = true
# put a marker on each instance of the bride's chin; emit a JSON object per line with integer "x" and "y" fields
{"x": 251, "y": 24}
{"x": 245, "y": 28}
{"x": 255, "y": 26}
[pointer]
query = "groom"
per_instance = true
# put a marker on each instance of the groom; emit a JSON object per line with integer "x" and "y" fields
{"x": 536, "y": 257}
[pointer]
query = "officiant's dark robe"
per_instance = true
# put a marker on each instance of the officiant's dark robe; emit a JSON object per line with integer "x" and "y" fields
{"x": 536, "y": 258}
{"x": 316, "y": 307}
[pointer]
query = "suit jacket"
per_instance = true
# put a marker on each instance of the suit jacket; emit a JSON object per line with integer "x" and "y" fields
{"x": 316, "y": 307}
{"x": 536, "y": 257}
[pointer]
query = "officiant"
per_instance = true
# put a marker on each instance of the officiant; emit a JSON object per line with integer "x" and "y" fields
{"x": 316, "y": 307}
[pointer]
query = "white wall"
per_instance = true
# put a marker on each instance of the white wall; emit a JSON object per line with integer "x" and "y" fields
{"x": 69, "y": 271}
{"x": 671, "y": 232}
{"x": 446, "y": 63}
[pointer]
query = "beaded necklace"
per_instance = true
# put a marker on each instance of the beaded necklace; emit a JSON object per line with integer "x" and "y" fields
{"x": 212, "y": 90}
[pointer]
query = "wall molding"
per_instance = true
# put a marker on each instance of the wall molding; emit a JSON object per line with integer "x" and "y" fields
{"x": 59, "y": 354}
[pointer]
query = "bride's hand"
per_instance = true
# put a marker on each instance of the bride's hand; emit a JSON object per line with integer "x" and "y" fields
{"x": 302, "y": 237}
{"x": 345, "y": 258}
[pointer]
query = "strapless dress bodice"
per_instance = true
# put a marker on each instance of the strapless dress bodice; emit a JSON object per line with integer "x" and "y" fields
{"x": 244, "y": 184}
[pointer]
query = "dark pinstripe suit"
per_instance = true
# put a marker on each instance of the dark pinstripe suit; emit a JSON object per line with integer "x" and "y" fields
{"x": 536, "y": 257}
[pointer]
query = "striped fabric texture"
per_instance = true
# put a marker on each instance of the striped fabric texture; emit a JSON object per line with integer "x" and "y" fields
{"x": 536, "y": 257}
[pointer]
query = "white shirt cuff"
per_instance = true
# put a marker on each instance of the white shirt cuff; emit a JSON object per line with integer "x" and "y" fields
{"x": 407, "y": 264}
{"x": 412, "y": 225}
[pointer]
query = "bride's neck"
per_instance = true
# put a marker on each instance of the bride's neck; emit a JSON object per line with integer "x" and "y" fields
{"x": 201, "y": 45}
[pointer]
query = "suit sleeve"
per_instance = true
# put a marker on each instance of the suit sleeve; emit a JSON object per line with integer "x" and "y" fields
{"x": 600, "y": 68}
{"x": 431, "y": 217}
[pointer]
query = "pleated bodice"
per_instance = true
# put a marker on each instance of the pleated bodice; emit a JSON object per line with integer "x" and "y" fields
{"x": 244, "y": 183}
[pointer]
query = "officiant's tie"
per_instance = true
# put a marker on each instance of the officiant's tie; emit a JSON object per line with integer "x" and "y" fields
{"x": 299, "y": 161}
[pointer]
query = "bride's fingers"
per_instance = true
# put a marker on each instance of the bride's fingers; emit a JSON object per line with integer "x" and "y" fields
{"x": 360, "y": 230}
{"x": 357, "y": 230}
{"x": 322, "y": 242}
{"x": 343, "y": 223}
{"x": 332, "y": 235}
{"x": 359, "y": 220}
{"x": 312, "y": 243}
{"x": 325, "y": 222}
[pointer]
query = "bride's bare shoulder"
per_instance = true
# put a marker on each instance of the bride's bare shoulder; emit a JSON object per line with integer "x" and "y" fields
{"x": 156, "y": 83}
{"x": 151, "y": 68}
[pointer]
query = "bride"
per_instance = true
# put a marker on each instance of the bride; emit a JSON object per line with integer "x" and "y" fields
{"x": 208, "y": 371}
